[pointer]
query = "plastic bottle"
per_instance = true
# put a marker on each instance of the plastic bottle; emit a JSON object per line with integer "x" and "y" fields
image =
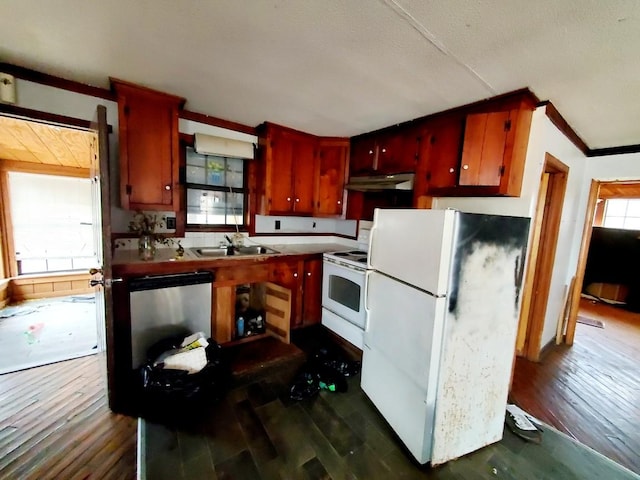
{"x": 240, "y": 327}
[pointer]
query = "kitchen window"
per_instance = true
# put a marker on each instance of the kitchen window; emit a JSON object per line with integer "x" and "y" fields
{"x": 215, "y": 189}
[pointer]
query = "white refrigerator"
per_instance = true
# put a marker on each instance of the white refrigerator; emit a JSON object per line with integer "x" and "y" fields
{"x": 442, "y": 297}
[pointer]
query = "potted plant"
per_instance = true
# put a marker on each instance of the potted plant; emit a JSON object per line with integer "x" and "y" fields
{"x": 145, "y": 225}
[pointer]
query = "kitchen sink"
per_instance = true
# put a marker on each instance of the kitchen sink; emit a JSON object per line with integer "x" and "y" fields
{"x": 254, "y": 250}
{"x": 210, "y": 252}
{"x": 218, "y": 252}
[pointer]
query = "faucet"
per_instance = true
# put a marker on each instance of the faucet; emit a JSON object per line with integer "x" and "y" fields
{"x": 230, "y": 246}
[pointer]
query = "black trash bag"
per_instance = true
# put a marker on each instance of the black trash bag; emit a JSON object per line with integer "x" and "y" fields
{"x": 176, "y": 393}
{"x": 312, "y": 378}
{"x": 334, "y": 358}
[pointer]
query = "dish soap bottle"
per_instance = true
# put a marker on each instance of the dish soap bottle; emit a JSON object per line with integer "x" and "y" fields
{"x": 240, "y": 327}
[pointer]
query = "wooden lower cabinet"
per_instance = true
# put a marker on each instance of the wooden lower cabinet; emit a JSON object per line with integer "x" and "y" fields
{"x": 288, "y": 274}
{"x": 312, "y": 292}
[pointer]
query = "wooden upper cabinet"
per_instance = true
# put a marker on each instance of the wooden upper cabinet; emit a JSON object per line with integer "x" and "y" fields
{"x": 299, "y": 173}
{"x": 440, "y": 149}
{"x": 332, "y": 163}
{"x": 149, "y": 147}
{"x": 385, "y": 152}
{"x": 485, "y": 137}
{"x": 475, "y": 152}
{"x": 289, "y": 164}
{"x": 304, "y": 163}
{"x": 397, "y": 151}
{"x": 363, "y": 156}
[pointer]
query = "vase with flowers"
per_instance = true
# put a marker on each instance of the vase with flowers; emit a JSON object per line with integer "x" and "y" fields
{"x": 145, "y": 225}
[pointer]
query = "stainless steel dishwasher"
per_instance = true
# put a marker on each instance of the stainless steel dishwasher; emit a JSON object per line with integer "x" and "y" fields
{"x": 168, "y": 305}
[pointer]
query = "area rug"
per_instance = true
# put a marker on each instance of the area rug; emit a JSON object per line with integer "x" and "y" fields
{"x": 39, "y": 332}
{"x": 590, "y": 321}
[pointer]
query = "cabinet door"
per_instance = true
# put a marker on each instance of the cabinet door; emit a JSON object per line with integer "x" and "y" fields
{"x": 485, "y": 137}
{"x": 441, "y": 149}
{"x": 363, "y": 155}
{"x": 330, "y": 178}
{"x": 288, "y": 274}
{"x": 312, "y": 292}
{"x": 397, "y": 151}
{"x": 304, "y": 152}
{"x": 280, "y": 165}
{"x": 149, "y": 153}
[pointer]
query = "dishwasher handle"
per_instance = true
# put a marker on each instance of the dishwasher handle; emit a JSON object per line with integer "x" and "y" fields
{"x": 155, "y": 282}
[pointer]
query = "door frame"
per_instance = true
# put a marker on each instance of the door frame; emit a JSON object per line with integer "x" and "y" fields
{"x": 546, "y": 226}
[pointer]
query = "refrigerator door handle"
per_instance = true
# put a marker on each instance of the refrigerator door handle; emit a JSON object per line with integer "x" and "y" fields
{"x": 370, "y": 255}
{"x": 366, "y": 300}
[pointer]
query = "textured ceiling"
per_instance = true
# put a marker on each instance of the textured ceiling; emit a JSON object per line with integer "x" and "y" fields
{"x": 343, "y": 67}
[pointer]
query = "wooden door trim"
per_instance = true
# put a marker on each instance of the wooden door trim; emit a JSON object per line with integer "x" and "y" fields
{"x": 582, "y": 261}
{"x": 542, "y": 275}
{"x": 527, "y": 294}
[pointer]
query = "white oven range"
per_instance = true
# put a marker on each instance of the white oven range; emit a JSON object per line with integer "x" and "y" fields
{"x": 343, "y": 284}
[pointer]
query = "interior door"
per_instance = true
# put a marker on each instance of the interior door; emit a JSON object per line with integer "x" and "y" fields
{"x": 101, "y": 275}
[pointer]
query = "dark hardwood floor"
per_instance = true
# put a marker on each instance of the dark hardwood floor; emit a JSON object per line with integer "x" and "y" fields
{"x": 55, "y": 424}
{"x": 257, "y": 432}
{"x": 591, "y": 390}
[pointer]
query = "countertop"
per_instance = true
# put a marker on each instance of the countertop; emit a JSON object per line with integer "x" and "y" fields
{"x": 130, "y": 256}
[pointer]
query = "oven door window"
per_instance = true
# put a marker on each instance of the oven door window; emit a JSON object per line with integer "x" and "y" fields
{"x": 345, "y": 292}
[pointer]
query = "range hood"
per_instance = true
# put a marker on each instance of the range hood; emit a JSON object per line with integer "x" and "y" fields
{"x": 399, "y": 181}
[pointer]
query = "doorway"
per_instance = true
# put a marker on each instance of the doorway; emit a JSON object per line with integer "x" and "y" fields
{"x": 544, "y": 238}
{"x": 47, "y": 244}
{"x": 599, "y": 193}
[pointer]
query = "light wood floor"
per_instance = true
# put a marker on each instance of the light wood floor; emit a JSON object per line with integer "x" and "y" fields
{"x": 55, "y": 424}
{"x": 591, "y": 390}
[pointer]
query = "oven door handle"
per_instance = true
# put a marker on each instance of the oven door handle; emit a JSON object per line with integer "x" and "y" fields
{"x": 366, "y": 300}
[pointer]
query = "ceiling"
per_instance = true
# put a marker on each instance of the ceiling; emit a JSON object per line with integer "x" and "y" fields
{"x": 336, "y": 67}
{"x": 34, "y": 142}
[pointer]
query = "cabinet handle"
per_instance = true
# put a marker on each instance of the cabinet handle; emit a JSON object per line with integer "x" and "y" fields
{"x": 297, "y": 199}
{"x": 370, "y": 152}
{"x": 465, "y": 167}
{"x": 451, "y": 170}
{"x": 295, "y": 275}
{"x": 339, "y": 202}
{"x": 308, "y": 274}
{"x": 384, "y": 150}
{"x": 167, "y": 187}
{"x": 288, "y": 199}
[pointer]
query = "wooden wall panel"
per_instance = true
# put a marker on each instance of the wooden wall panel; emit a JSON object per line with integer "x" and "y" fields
{"x": 5, "y": 292}
{"x": 33, "y": 287}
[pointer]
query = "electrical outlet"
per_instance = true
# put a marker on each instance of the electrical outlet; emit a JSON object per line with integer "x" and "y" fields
{"x": 277, "y": 225}
{"x": 171, "y": 223}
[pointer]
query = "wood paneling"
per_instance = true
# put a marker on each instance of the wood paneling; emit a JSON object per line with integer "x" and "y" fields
{"x": 55, "y": 423}
{"x": 32, "y": 287}
{"x": 34, "y": 142}
{"x": 5, "y": 293}
{"x": 619, "y": 190}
